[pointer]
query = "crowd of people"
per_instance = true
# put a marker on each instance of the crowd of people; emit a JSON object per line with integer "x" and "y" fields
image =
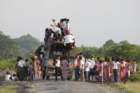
{"x": 26, "y": 70}
{"x": 104, "y": 70}
{"x": 35, "y": 69}
{"x": 84, "y": 69}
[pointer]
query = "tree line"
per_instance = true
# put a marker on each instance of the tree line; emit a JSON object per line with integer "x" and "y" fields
{"x": 27, "y": 44}
{"x": 22, "y": 46}
{"x": 123, "y": 49}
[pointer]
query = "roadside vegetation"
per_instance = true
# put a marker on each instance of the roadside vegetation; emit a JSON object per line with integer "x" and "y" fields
{"x": 7, "y": 64}
{"x": 129, "y": 87}
{"x": 8, "y": 88}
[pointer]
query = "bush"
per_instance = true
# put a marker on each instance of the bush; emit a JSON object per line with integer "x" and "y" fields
{"x": 138, "y": 68}
{"x": 135, "y": 78}
{"x": 70, "y": 73}
{"x": 7, "y": 64}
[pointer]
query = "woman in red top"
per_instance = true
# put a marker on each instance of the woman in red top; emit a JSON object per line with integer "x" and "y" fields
{"x": 106, "y": 69}
{"x": 122, "y": 71}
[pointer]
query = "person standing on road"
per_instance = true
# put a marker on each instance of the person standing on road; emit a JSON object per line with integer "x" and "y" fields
{"x": 106, "y": 69}
{"x": 92, "y": 70}
{"x": 30, "y": 71}
{"x": 64, "y": 67}
{"x": 36, "y": 64}
{"x": 77, "y": 68}
{"x": 21, "y": 68}
{"x": 45, "y": 67}
{"x": 122, "y": 70}
{"x": 82, "y": 63}
{"x": 127, "y": 70}
{"x": 98, "y": 69}
{"x": 115, "y": 65}
{"x": 110, "y": 72}
{"x": 26, "y": 69}
{"x": 57, "y": 68}
{"x": 87, "y": 70}
{"x": 134, "y": 68}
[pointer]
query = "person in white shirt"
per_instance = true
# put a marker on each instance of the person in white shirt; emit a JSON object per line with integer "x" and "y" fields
{"x": 87, "y": 69}
{"x": 21, "y": 68}
{"x": 14, "y": 77}
{"x": 21, "y": 63}
{"x": 58, "y": 62}
{"x": 55, "y": 29}
{"x": 82, "y": 62}
{"x": 8, "y": 76}
{"x": 92, "y": 70}
{"x": 115, "y": 67}
{"x": 134, "y": 67}
{"x": 53, "y": 25}
{"x": 69, "y": 41}
{"x": 58, "y": 68}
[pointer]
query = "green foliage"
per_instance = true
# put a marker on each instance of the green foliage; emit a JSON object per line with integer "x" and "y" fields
{"x": 8, "y": 48}
{"x": 27, "y": 43}
{"x": 87, "y": 51}
{"x": 23, "y": 46}
{"x": 138, "y": 67}
{"x": 135, "y": 78}
{"x": 123, "y": 50}
{"x": 128, "y": 87}
{"x": 7, "y": 64}
{"x": 110, "y": 49}
{"x": 70, "y": 72}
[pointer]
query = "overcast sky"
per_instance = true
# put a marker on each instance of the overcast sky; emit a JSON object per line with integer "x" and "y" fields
{"x": 92, "y": 21}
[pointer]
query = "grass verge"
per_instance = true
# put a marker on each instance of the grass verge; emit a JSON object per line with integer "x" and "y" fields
{"x": 8, "y": 88}
{"x": 129, "y": 87}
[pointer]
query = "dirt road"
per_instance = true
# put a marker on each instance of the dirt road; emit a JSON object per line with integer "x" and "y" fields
{"x": 69, "y": 87}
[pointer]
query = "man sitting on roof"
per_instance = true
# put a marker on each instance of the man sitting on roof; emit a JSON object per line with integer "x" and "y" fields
{"x": 69, "y": 41}
{"x": 64, "y": 26}
{"x": 56, "y": 30}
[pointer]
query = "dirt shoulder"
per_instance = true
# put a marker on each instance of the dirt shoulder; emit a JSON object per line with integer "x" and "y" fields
{"x": 14, "y": 87}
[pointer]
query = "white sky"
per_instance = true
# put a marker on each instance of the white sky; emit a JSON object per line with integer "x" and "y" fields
{"x": 92, "y": 21}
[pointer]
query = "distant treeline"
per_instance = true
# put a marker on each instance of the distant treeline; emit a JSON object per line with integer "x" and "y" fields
{"x": 122, "y": 49}
{"x": 27, "y": 44}
{"x": 22, "y": 46}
